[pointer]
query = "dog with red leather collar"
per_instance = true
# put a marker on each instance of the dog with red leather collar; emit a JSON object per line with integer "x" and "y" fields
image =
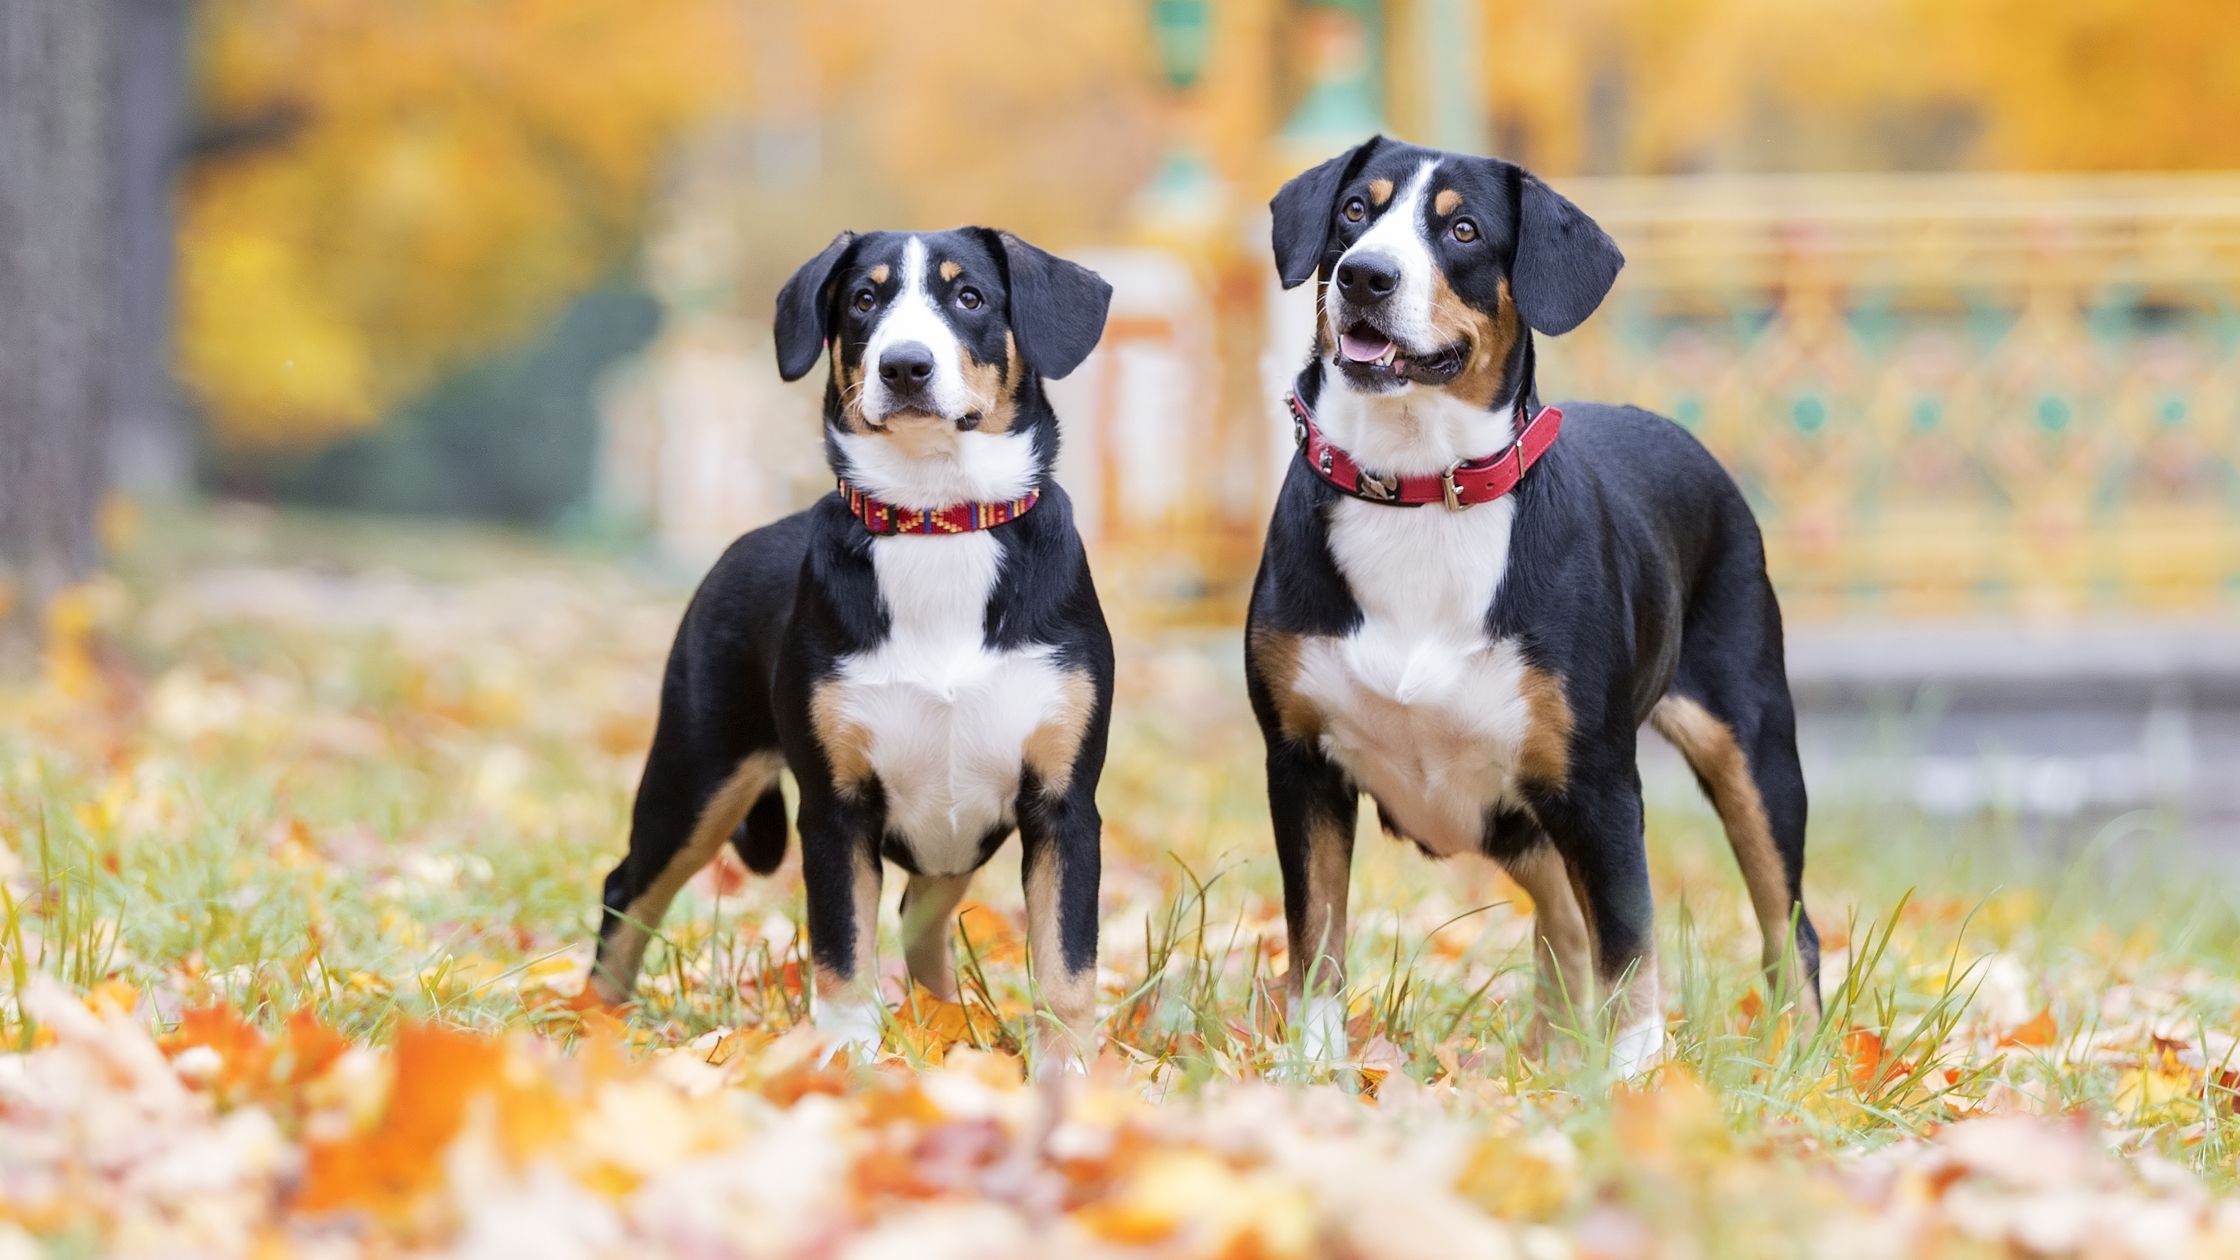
{"x": 1482, "y": 674}
{"x": 922, "y": 648}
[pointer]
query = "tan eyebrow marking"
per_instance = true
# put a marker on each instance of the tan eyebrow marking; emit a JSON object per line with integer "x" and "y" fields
{"x": 1447, "y": 202}
{"x": 951, "y": 269}
{"x": 880, "y": 273}
{"x": 1380, "y": 191}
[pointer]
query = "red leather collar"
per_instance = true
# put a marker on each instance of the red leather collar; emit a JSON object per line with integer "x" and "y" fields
{"x": 1466, "y": 483}
{"x": 957, "y": 518}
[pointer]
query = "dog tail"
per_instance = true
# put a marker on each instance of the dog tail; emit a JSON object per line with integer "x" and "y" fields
{"x": 761, "y": 837}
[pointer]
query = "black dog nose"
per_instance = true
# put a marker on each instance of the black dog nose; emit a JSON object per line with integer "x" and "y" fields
{"x": 1367, "y": 279}
{"x": 906, "y": 366}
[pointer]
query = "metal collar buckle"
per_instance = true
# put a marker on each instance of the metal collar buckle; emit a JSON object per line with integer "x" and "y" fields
{"x": 1453, "y": 492}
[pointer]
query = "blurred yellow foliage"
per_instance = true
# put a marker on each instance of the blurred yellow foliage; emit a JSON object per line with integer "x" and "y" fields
{"x": 1649, "y": 86}
{"x": 413, "y": 184}
{"x": 438, "y": 176}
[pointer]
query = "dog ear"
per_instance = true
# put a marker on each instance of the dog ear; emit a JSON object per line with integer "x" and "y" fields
{"x": 1057, "y": 307}
{"x": 1302, "y": 209}
{"x": 1565, "y": 261}
{"x": 802, "y": 310}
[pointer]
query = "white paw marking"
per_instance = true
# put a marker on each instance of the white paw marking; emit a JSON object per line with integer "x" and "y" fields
{"x": 853, "y": 1027}
{"x": 1638, "y": 1048}
{"x": 1322, "y": 1029}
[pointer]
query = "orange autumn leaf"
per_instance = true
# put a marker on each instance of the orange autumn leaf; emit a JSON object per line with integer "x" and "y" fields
{"x": 1863, "y": 1047}
{"x": 588, "y": 999}
{"x": 992, "y": 935}
{"x": 438, "y": 1072}
{"x": 309, "y": 1047}
{"x": 1750, "y": 1008}
{"x": 2038, "y": 1030}
{"x": 244, "y": 1057}
{"x": 926, "y": 1026}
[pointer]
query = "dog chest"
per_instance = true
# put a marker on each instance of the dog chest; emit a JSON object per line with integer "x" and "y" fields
{"x": 941, "y": 721}
{"x": 1419, "y": 705}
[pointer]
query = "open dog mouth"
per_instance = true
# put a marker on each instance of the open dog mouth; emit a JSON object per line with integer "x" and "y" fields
{"x": 919, "y": 418}
{"x": 1367, "y": 354}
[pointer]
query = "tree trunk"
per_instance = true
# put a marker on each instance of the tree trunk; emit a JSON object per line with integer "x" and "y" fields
{"x": 56, "y": 304}
{"x": 152, "y": 448}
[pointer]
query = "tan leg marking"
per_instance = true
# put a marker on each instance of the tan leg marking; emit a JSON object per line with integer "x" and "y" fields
{"x": 1276, "y": 656}
{"x": 1320, "y": 951}
{"x": 1068, "y": 1028}
{"x": 1447, "y": 202}
{"x": 1053, "y": 746}
{"x": 1563, "y": 954}
{"x": 861, "y": 986}
{"x": 929, "y": 912}
{"x": 951, "y": 268}
{"x": 626, "y": 948}
{"x": 1491, "y": 336}
{"x": 1546, "y": 756}
{"x": 846, "y": 744}
{"x": 1710, "y": 747}
{"x": 1380, "y": 191}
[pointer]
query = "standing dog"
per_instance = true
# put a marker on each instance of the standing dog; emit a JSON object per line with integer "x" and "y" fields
{"x": 923, "y": 648}
{"x": 1469, "y": 621}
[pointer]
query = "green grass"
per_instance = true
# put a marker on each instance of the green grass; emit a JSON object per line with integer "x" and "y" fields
{"x": 391, "y": 797}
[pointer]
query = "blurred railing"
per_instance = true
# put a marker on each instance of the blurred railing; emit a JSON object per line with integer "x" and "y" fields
{"x": 1945, "y": 394}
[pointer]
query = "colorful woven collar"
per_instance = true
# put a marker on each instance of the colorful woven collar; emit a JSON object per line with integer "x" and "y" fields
{"x": 1465, "y": 483}
{"x": 957, "y": 518}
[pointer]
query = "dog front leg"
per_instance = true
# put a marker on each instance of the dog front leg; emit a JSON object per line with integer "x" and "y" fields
{"x": 842, "y": 874}
{"x": 1314, "y": 808}
{"x": 1597, "y": 826}
{"x": 1562, "y": 952}
{"x": 1062, "y": 838}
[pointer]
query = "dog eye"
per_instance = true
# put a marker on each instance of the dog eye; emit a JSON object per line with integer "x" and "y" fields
{"x": 969, "y": 298}
{"x": 1465, "y": 230}
{"x": 1355, "y": 208}
{"x": 864, "y": 300}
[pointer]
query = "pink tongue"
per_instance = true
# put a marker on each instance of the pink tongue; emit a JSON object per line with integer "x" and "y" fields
{"x": 1363, "y": 349}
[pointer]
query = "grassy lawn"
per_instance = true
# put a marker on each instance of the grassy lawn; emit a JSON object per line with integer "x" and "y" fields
{"x": 301, "y": 831}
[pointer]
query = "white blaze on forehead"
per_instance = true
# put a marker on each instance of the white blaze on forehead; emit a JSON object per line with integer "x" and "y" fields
{"x": 969, "y": 467}
{"x": 1399, "y": 235}
{"x": 914, "y": 317}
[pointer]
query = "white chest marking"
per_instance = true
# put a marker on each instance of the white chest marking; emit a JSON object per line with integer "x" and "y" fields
{"x": 1420, "y": 705}
{"x": 947, "y": 719}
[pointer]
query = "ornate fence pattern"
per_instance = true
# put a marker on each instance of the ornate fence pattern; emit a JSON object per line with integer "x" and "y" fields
{"x": 1946, "y": 394}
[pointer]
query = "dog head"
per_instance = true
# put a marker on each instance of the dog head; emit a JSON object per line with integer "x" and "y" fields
{"x": 1434, "y": 264}
{"x": 938, "y": 334}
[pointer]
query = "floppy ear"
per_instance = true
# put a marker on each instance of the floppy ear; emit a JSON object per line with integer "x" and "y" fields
{"x": 1302, "y": 210}
{"x": 1565, "y": 261}
{"x": 802, "y": 310}
{"x": 1057, "y": 307}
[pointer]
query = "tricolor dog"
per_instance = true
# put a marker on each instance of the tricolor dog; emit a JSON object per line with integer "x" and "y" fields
{"x": 1468, "y": 620}
{"x": 923, "y": 648}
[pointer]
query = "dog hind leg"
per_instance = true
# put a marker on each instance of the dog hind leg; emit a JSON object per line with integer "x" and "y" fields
{"x": 683, "y": 815}
{"x": 761, "y": 837}
{"x": 1730, "y": 715}
{"x": 929, "y": 916}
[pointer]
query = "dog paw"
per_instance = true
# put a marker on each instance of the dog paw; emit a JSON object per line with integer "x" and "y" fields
{"x": 1321, "y": 1031}
{"x": 1637, "y": 1049}
{"x": 850, "y": 1029}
